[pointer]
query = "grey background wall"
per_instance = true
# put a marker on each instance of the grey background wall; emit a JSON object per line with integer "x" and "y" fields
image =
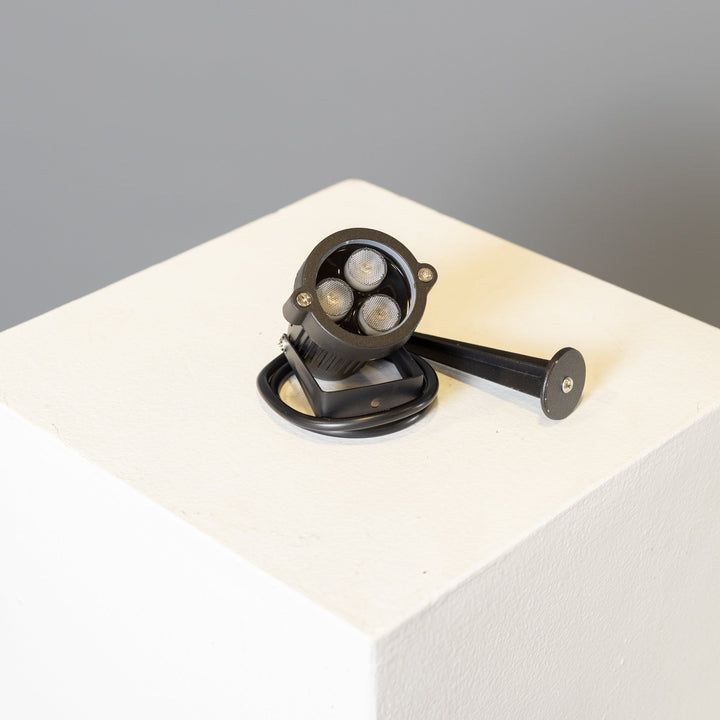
{"x": 134, "y": 130}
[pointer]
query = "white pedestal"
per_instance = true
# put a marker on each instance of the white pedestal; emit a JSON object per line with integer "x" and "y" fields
{"x": 170, "y": 548}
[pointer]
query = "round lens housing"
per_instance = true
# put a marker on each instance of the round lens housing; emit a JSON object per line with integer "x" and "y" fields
{"x": 358, "y": 297}
{"x": 335, "y": 297}
{"x": 365, "y": 269}
{"x": 378, "y": 314}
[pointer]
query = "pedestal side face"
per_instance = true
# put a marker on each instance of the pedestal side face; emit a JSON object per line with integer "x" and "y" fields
{"x": 111, "y": 607}
{"x": 609, "y": 611}
{"x": 153, "y": 379}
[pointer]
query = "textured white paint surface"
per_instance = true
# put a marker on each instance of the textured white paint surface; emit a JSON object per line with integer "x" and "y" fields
{"x": 486, "y": 552}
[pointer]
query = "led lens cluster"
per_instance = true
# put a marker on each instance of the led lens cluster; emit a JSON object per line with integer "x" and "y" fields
{"x": 365, "y": 269}
{"x": 364, "y": 272}
{"x": 378, "y": 314}
{"x": 336, "y": 298}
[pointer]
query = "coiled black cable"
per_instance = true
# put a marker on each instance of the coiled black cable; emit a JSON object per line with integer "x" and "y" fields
{"x": 274, "y": 374}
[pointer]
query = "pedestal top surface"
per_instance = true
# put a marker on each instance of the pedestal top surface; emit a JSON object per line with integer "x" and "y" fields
{"x": 153, "y": 378}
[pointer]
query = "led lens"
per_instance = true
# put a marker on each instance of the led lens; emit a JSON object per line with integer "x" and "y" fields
{"x": 365, "y": 269}
{"x": 336, "y": 298}
{"x": 378, "y": 314}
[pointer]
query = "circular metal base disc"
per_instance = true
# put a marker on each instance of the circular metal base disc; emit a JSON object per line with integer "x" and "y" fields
{"x": 564, "y": 383}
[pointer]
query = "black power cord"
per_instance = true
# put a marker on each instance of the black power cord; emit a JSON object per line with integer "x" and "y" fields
{"x": 276, "y": 373}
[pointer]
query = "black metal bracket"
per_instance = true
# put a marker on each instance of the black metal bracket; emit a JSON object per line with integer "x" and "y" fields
{"x": 363, "y": 400}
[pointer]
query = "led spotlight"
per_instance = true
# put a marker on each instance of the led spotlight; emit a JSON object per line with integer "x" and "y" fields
{"x": 359, "y": 297}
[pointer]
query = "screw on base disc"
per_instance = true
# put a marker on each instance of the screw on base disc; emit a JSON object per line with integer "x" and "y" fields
{"x": 563, "y": 385}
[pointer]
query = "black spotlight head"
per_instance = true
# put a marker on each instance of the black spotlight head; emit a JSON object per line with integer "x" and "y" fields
{"x": 358, "y": 297}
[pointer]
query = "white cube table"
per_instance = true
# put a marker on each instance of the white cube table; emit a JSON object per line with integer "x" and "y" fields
{"x": 171, "y": 548}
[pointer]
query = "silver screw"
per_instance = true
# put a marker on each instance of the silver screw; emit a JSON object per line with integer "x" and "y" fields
{"x": 303, "y": 299}
{"x": 567, "y": 385}
{"x": 425, "y": 274}
{"x": 283, "y": 343}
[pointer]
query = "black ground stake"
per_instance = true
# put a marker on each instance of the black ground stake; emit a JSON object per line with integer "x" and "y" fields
{"x": 558, "y": 382}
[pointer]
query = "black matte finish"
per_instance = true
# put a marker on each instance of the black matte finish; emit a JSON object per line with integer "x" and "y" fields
{"x": 530, "y": 375}
{"x": 363, "y": 400}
